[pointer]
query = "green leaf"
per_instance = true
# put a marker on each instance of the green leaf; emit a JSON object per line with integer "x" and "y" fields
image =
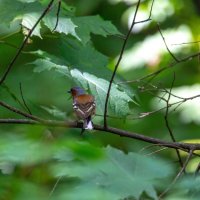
{"x": 93, "y": 24}
{"x": 43, "y": 65}
{"x": 70, "y": 52}
{"x": 187, "y": 188}
{"x": 29, "y": 11}
{"x": 9, "y": 9}
{"x": 54, "y": 111}
{"x": 118, "y": 174}
{"x": 19, "y": 150}
{"x": 65, "y": 25}
{"x": 118, "y": 101}
{"x": 29, "y": 20}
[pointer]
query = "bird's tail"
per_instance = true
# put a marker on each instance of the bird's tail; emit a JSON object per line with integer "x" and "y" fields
{"x": 88, "y": 123}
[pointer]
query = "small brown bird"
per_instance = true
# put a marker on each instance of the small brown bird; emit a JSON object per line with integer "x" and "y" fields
{"x": 84, "y": 106}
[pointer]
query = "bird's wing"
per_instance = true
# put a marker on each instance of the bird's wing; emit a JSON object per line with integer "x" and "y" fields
{"x": 84, "y": 105}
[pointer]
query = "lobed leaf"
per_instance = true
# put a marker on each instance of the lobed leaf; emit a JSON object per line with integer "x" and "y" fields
{"x": 118, "y": 175}
{"x": 29, "y": 11}
{"x": 93, "y": 24}
{"x": 118, "y": 101}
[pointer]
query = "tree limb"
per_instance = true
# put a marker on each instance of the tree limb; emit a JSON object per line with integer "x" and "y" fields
{"x": 53, "y": 123}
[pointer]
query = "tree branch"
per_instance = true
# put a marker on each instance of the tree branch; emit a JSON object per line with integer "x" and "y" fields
{"x": 178, "y": 175}
{"x": 57, "y": 15}
{"x": 150, "y": 13}
{"x": 167, "y": 121}
{"x": 154, "y": 74}
{"x": 121, "y": 55}
{"x": 9, "y": 67}
{"x": 53, "y": 123}
{"x": 15, "y": 110}
{"x": 117, "y": 64}
{"x": 173, "y": 56}
{"x": 20, "y": 87}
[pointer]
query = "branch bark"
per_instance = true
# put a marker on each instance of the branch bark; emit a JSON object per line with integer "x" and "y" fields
{"x": 174, "y": 145}
{"x": 117, "y": 64}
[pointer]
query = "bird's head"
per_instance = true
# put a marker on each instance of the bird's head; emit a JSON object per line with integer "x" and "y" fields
{"x": 76, "y": 91}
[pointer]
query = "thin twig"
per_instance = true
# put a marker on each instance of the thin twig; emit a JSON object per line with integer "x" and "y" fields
{"x": 25, "y": 42}
{"x": 117, "y": 64}
{"x": 148, "y": 147}
{"x": 167, "y": 121}
{"x": 57, "y": 15}
{"x": 195, "y": 42}
{"x": 156, "y": 73}
{"x": 55, "y": 185}
{"x": 121, "y": 55}
{"x": 197, "y": 169}
{"x": 154, "y": 152}
{"x": 178, "y": 175}
{"x": 13, "y": 96}
{"x": 20, "y": 86}
{"x": 158, "y": 145}
{"x": 150, "y": 13}
{"x": 146, "y": 114}
{"x": 173, "y": 56}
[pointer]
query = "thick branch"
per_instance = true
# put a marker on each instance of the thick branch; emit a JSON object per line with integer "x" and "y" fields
{"x": 15, "y": 110}
{"x": 174, "y": 145}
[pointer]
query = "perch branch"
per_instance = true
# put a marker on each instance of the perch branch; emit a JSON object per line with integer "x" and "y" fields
{"x": 15, "y": 110}
{"x": 53, "y": 123}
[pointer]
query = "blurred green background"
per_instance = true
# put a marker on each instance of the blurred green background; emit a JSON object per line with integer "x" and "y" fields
{"x": 39, "y": 162}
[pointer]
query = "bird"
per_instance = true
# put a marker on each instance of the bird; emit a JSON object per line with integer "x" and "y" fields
{"x": 84, "y": 106}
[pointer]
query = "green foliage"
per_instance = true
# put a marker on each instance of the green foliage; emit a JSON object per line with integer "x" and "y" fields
{"x": 119, "y": 99}
{"x": 54, "y": 111}
{"x": 57, "y": 163}
{"x": 95, "y": 25}
{"x": 108, "y": 175}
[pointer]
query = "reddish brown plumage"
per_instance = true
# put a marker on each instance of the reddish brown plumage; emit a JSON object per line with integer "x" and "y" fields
{"x": 84, "y": 98}
{"x": 84, "y": 106}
